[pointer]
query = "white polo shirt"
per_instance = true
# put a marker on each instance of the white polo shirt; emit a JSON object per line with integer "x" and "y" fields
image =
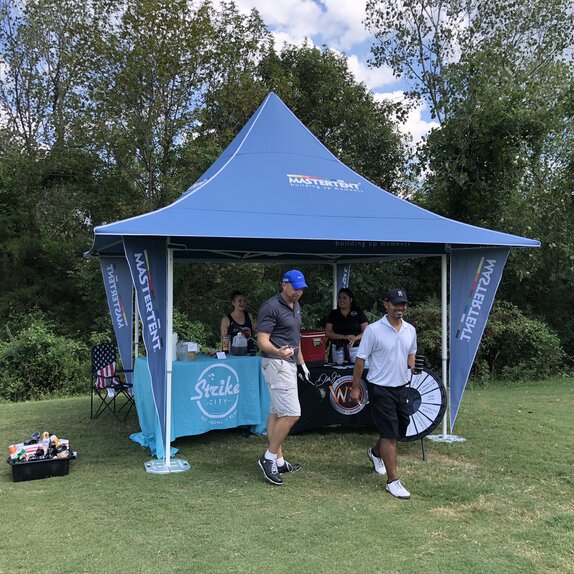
{"x": 387, "y": 351}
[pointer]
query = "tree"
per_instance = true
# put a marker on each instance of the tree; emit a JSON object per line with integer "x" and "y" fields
{"x": 497, "y": 75}
{"x": 46, "y": 46}
{"x": 99, "y": 101}
{"x": 427, "y": 40}
{"x": 161, "y": 62}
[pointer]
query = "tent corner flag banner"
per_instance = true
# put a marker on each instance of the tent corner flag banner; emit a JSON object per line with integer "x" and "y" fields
{"x": 343, "y": 274}
{"x": 119, "y": 292}
{"x": 474, "y": 278}
{"x": 147, "y": 259}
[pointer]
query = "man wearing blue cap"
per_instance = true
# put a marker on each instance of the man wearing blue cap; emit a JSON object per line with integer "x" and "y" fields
{"x": 278, "y": 338}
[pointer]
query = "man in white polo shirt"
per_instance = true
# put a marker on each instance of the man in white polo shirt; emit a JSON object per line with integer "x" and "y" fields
{"x": 389, "y": 346}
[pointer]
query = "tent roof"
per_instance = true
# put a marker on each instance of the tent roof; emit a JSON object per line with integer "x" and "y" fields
{"x": 277, "y": 194}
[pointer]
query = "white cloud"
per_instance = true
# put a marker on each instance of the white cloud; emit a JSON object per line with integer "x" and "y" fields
{"x": 337, "y": 23}
{"x": 286, "y": 37}
{"x": 295, "y": 19}
{"x": 348, "y": 16}
{"x": 372, "y": 77}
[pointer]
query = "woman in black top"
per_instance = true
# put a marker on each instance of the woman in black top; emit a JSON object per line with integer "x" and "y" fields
{"x": 239, "y": 321}
{"x": 346, "y": 323}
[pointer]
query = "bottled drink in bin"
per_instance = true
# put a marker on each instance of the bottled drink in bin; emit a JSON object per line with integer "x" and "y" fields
{"x": 62, "y": 452}
{"x": 21, "y": 455}
{"x": 45, "y": 441}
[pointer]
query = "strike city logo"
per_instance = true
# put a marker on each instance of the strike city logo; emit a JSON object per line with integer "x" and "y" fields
{"x": 340, "y": 396}
{"x": 117, "y": 303}
{"x": 476, "y": 297}
{"x": 150, "y": 317}
{"x": 314, "y": 182}
{"x": 217, "y": 392}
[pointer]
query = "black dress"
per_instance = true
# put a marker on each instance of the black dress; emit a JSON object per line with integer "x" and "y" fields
{"x": 349, "y": 325}
{"x": 235, "y": 328}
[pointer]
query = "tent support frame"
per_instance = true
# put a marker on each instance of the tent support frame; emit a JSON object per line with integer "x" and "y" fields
{"x": 445, "y": 437}
{"x": 167, "y": 464}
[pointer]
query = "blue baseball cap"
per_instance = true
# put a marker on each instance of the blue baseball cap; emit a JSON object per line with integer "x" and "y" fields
{"x": 296, "y": 278}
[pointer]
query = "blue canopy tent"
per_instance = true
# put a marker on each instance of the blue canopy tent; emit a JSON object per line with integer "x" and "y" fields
{"x": 277, "y": 194}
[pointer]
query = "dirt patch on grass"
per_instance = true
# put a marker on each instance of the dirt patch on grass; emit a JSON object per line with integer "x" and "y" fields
{"x": 451, "y": 462}
{"x": 481, "y": 504}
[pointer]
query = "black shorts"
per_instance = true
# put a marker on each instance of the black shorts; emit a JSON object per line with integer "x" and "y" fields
{"x": 390, "y": 408}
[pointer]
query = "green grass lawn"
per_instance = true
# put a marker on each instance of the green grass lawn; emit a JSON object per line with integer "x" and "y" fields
{"x": 503, "y": 501}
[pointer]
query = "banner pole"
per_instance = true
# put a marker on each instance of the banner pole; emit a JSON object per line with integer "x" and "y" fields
{"x": 444, "y": 353}
{"x": 136, "y": 327}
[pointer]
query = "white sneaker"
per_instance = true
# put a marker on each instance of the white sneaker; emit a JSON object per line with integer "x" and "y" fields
{"x": 377, "y": 462}
{"x": 397, "y": 489}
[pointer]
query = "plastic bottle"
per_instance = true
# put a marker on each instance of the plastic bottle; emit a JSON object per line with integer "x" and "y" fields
{"x": 225, "y": 344}
{"x": 239, "y": 345}
{"x": 55, "y": 440}
{"x": 45, "y": 441}
{"x": 340, "y": 356}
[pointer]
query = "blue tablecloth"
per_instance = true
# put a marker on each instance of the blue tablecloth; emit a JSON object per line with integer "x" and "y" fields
{"x": 207, "y": 394}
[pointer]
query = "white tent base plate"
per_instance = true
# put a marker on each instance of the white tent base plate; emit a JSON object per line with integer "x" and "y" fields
{"x": 448, "y": 438}
{"x": 160, "y": 467}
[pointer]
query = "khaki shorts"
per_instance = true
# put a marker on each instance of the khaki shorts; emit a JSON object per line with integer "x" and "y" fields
{"x": 281, "y": 378}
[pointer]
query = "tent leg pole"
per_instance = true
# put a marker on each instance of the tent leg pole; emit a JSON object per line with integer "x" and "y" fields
{"x": 445, "y": 437}
{"x": 168, "y": 465}
{"x": 168, "y": 355}
{"x": 334, "y": 285}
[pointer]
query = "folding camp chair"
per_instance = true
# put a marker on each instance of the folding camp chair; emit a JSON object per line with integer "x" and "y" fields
{"x": 109, "y": 384}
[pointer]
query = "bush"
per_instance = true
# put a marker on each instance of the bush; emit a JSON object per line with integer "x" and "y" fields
{"x": 196, "y": 331}
{"x": 426, "y": 318}
{"x": 513, "y": 346}
{"x": 35, "y": 363}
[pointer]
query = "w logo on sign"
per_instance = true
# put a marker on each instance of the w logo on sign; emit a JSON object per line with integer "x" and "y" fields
{"x": 341, "y": 396}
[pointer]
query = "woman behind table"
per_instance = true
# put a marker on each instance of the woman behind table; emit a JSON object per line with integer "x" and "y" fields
{"x": 239, "y": 321}
{"x": 345, "y": 324}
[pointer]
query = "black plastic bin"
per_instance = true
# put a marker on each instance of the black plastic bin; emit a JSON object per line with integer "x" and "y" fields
{"x": 34, "y": 469}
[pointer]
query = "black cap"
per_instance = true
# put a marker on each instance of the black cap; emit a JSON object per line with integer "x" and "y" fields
{"x": 395, "y": 296}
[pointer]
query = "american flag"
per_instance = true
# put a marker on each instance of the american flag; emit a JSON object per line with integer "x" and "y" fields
{"x": 104, "y": 365}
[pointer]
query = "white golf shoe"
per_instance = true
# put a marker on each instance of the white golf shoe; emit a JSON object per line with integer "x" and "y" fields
{"x": 377, "y": 462}
{"x": 397, "y": 489}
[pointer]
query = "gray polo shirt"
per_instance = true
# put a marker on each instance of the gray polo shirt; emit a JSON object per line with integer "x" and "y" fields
{"x": 281, "y": 323}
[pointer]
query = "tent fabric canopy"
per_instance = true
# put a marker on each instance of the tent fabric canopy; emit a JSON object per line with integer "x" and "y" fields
{"x": 277, "y": 194}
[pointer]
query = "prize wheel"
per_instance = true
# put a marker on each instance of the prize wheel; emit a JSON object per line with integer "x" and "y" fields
{"x": 428, "y": 404}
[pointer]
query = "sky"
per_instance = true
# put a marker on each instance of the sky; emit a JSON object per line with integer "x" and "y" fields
{"x": 338, "y": 24}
